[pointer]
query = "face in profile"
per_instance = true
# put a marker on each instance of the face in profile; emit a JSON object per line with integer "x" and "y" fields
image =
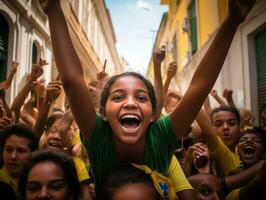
{"x": 207, "y": 186}
{"x": 46, "y": 180}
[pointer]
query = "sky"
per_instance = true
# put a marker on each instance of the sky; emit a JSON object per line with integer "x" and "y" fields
{"x": 136, "y": 23}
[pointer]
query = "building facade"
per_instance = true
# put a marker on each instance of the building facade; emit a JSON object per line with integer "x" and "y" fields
{"x": 192, "y": 24}
{"x": 24, "y": 37}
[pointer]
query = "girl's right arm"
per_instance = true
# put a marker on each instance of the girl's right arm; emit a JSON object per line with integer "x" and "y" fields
{"x": 70, "y": 68}
{"x": 209, "y": 68}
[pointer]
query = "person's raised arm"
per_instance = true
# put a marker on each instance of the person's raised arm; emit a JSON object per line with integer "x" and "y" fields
{"x": 256, "y": 187}
{"x": 241, "y": 179}
{"x": 6, "y": 84}
{"x": 18, "y": 102}
{"x": 5, "y": 120}
{"x": 158, "y": 57}
{"x": 209, "y": 68}
{"x": 207, "y": 130}
{"x": 52, "y": 92}
{"x": 207, "y": 106}
{"x": 102, "y": 77}
{"x": 228, "y": 95}
{"x": 171, "y": 72}
{"x": 215, "y": 95}
{"x": 69, "y": 67}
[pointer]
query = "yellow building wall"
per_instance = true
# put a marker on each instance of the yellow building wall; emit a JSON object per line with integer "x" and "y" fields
{"x": 206, "y": 17}
{"x": 222, "y": 9}
{"x": 210, "y": 13}
{"x": 182, "y": 37}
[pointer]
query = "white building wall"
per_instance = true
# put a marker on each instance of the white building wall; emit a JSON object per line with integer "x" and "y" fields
{"x": 22, "y": 34}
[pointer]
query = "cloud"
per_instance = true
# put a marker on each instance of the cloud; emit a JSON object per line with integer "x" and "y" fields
{"x": 143, "y": 5}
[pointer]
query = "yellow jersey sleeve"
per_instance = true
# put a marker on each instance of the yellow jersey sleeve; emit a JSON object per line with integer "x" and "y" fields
{"x": 225, "y": 161}
{"x": 177, "y": 176}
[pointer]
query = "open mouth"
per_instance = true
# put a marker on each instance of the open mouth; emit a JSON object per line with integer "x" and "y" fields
{"x": 130, "y": 121}
{"x": 55, "y": 144}
{"x": 249, "y": 150}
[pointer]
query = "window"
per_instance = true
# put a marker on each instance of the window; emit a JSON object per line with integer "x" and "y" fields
{"x": 260, "y": 45}
{"x": 34, "y": 58}
{"x": 193, "y": 26}
{"x": 4, "y": 32}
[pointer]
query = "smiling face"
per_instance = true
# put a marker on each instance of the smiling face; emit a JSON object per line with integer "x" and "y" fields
{"x": 53, "y": 137}
{"x": 46, "y": 180}
{"x": 226, "y": 125}
{"x": 250, "y": 148}
{"x": 128, "y": 109}
{"x": 15, "y": 154}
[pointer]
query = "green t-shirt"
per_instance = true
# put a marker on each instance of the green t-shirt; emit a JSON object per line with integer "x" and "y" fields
{"x": 161, "y": 144}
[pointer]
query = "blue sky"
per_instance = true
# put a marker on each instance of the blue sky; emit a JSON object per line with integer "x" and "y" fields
{"x": 135, "y": 23}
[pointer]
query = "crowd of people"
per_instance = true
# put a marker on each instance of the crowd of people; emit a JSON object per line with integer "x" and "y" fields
{"x": 120, "y": 137}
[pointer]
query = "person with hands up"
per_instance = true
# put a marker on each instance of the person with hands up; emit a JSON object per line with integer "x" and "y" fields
{"x": 158, "y": 57}
{"x": 127, "y": 129}
{"x": 6, "y": 84}
{"x": 36, "y": 72}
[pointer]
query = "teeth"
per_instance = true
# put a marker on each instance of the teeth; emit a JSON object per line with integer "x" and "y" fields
{"x": 249, "y": 147}
{"x": 54, "y": 144}
{"x": 130, "y": 116}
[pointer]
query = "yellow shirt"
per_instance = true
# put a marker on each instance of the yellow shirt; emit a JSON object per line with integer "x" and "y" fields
{"x": 177, "y": 176}
{"x": 6, "y": 178}
{"x": 233, "y": 195}
{"x": 82, "y": 171}
{"x": 224, "y": 160}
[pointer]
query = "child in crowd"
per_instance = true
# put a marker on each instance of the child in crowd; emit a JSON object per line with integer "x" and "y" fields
{"x": 222, "y": 138}
{"x": 134, "y": 182}
{"x": 127, "y": 130}
{"x": 49, "y": 175}
{"x": 17, "y": 143}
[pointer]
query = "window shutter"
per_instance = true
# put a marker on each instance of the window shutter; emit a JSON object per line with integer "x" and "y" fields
{"x": 260, "y": 40}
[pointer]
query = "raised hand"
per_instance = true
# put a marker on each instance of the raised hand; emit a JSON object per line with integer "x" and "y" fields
{"x": 4, "y": 104}
{"x": 171, "y": 71}
{"x": 101, "y": 76}
{"x": 42, "y": 62}
{"x": 53, "y": 91}
{"x": 13, "y": 69}
{"x": 36, "y": 72}
{"x": 14, "y": 66}
{"x": 158, "y": 55}
{"x": 239, "y": 9}
{"x": 214, "y": 93}
{"x": 5, "y": 120}
{"x": 227, "y": 93}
